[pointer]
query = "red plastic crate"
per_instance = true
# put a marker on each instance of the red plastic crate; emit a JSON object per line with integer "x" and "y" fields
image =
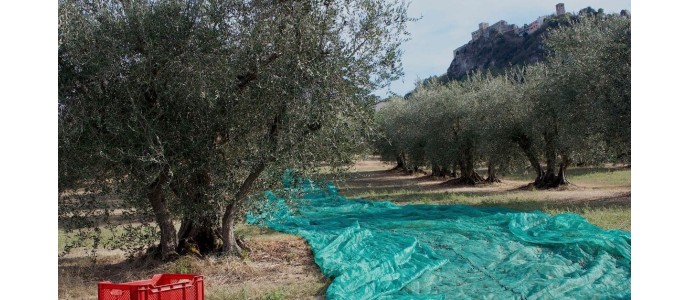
{"x": 159, "y": 287}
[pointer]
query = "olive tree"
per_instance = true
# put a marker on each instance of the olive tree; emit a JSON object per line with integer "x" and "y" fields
{"x": 435, "y": 104}
{"x": 464, "y": 126}
{"x": 440, "y": 129}
{"x": 574, "y": 107}
{"x": 497, "y": 109}
{"x": 590, "y": 66}
{"x": 402, "y": 139}
{"x": 582, "y": 95}
{"x": 391, "y": 126}
{"x": 184, "y": 109}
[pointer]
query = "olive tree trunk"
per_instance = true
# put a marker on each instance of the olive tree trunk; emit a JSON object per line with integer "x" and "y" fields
{"x": 468, "y": 176}
{"x": 230, "y": 245}
{"x": 492, "y": 178}
{"x": 549, "y": 178}
{"x": 553, "y": 178}
{"x": 168, "y": 239}
{"x": 439, "y": 171}
{"x": 197, "y": 234}
{"x": 565, "y": 163}
{"x": 400, "y": 162}
{"x": 525, "y": 144}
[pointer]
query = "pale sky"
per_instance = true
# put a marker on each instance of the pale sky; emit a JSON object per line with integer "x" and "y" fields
{"x": 447, "y": 25}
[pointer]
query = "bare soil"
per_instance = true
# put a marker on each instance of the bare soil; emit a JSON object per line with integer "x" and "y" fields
{"x": 281, "y": 266}
{"x": 278, "y": 264}
{"x": 375, "y": 178}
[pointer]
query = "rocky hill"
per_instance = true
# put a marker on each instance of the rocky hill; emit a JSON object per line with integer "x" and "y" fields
{"x": 501, "y": 50}
{"x": 498, "y": 51}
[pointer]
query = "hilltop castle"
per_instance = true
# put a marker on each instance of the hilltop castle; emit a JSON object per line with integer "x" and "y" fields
{"x": 503, "y": 26}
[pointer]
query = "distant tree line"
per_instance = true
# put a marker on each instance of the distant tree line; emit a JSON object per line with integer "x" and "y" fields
{"x": 572, "y": 108}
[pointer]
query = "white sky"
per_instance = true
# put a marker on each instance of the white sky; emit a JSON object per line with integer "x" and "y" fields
{"x": 447, "y": 25}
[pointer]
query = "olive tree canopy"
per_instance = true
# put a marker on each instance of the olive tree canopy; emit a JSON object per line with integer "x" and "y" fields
{"x": 184, "y": 108}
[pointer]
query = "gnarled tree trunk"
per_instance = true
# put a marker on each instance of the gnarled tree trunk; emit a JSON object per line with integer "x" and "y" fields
{"x": 230, "y": 244}
{"x": 168, "y": 241}
{"x": 492, "y": 178}
{"x": 565, "y": 163}
{"x": 435, "y": 170}
{"x": 549, "y": 178}
{"x": 197, "y": 233}
{"x": 525, "y": 144}
{"x": 445, "y": 172}
{"x": 400, "y": 160}
{"x": 553, "y": 178}
{"x": 232, "y": 210}
{"x": 438, "y": 171}
{"x": 468, "y": 176}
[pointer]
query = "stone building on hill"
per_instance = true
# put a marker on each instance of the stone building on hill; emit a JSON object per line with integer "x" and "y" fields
{"x": 502, "y": 26}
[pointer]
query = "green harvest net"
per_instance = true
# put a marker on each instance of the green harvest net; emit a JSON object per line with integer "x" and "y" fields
{"x": 379, "y": 250}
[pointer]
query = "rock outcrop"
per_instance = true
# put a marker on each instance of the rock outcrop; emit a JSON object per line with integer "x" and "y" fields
{"x": 497, "y": 52}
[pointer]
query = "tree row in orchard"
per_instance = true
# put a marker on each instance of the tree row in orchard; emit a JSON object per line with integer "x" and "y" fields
{"x": 573, "y": 108}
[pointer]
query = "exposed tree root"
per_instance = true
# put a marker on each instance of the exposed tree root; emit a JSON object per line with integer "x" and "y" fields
{"x": 187, "y": 247}
{"x": 492, "y": 179}
{"x": 470, "y": 180}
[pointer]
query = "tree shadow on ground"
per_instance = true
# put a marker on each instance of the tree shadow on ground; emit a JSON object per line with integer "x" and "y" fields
{"x": 96, "y": 269}
{"x": 621, "y": 201}
{"x": 511, "y": 198}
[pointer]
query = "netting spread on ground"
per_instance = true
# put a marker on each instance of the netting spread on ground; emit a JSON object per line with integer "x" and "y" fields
{"x": 379, "y": 250}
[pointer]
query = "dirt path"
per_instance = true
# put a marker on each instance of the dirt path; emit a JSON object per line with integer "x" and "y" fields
{"x": 374, "y": 179}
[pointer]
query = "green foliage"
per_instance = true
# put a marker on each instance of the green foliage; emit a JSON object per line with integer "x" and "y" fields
{"x": 274, "y": 295}
{"x": 592, "y": 76}
{"x": 181, "y": 266}
{"x": 210, "y": 100}
{"x": 574, "y": 108}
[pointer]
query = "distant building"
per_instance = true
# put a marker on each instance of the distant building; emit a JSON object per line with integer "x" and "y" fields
{"x": 536, "y": 24}
{"x": 482, "y": 32}
{"x": 560, "y": 9}
{"x": 532, "y": 27}
{"x": 500, "y": 27}
{"x": 520, "y": 30}
{"x": 483, "y": 26}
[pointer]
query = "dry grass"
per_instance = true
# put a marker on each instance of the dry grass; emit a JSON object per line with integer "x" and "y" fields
{"x": 281, "y": 266}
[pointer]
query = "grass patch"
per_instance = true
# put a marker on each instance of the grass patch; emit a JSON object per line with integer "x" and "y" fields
{"x": 602, "y": 177}
{"x": 602, "y": 195}
{"x": 600, "y": 213}
{"x": 609, "y": 217}
{"x": 310, "y": 289}
{"x": 586, "y": 176}
{"x": 82, "y": 240}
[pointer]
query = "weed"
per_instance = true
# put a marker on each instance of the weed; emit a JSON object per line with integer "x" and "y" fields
{"x": 273, "y": 295}
{"x": 182, "y": 266}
